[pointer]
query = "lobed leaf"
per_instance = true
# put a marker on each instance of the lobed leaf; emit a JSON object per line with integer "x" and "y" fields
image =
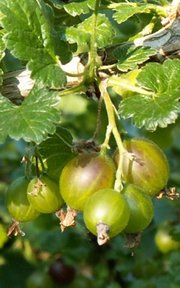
{"x": 129, "y": 56}
{"x": 78, "y": 8}
{"x": 33, "y": 120}
{"x": 159, "y": 104}
{"x": 82, "y": 34}
{"x": 126, "y": 10}
{"x": 75, "y": 35}
{"x": 50, "y": 74}
{"x": 29, "y": 34}
{"x": 104, "y": 29}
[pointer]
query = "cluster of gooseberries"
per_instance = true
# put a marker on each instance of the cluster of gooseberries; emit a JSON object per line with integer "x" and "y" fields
{"x": 87, "y": 185}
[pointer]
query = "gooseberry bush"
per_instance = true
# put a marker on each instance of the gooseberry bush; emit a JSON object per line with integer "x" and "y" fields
{"x": 90, "y": 89}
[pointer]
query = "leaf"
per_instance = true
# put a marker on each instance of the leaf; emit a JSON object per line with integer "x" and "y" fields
{"x": 127, "y": 10}
{"x": 75, "y": 35}
{"x": 50, "y": 74}
{"x": 56, "y": 151}
{"x": 78, "y": 8}
{"x": 33, "y": 120}
{"x": 29, "y": 34}
{"x": 82, "y": 34}
{"x": 129, "y": 56}
{"x": 104, "y": 29}
{"x": 159, "y": 104}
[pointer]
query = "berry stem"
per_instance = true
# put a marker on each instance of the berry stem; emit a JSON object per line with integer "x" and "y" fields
{"x": 39, "y": 161}
{"x": 37, "y": 167}
{"x": 98, "y": 121}
{"x": 27, "y": 159}
{"x": 112, "y": 127}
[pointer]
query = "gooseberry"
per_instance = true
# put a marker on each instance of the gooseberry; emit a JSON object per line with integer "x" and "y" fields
{"x": 84, "y": 175}
{"x": 106, "y": 214}
{"x": 141, "y": 208}
{"x": 17, "y": 203}
{"x": 43, "y": 194}
{"x": 164, "y": 240}
{"x": 144, "y": 165}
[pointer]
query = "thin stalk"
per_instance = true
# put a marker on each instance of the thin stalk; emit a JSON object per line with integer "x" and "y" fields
{"x": 28, "y": 167}
{"x": 39, "y": 161}
{"x": 112, "y": 127}
{"x": 27, "y": 159}
{"x": 98, "y": 121}
{"x": 37, "y": 167}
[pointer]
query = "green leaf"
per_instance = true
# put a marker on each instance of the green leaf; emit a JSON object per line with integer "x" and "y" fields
{"x": 29, "y": 34}
{"x": 56, "y": 151}
{"x": 159, "y": 104}
{"x": 50, "y": 74}
{"x": 127, "y": 10}
{"x": 129, "y": 56}
{"x": 80, "y": 37}
{"x": 104, "y": 29}
{"x": 33, "y": 120}
{"x": 82, "y": 34}
{"x": 78, "y": 8}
